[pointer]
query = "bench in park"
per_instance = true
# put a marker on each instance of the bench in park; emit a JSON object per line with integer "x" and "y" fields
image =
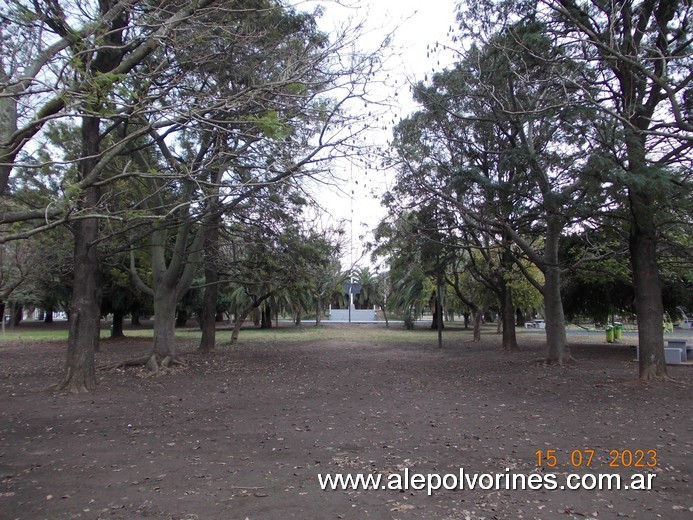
{"x": 677, "y": 352}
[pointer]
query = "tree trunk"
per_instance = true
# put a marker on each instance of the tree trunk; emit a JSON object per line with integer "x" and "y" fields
{"x": 520, "y": 318}
{"x": 182, "y": 318}
{"x": 164, "y": 322}
{"x": 209, "y": 310}
{"x": 238, "y": 323}
{"x": 434, "y": 301}
{"x": 117, "y": 326}
{"x": 16, "y": 312}
{"x": 84, "y": 332}
{"x": 382, "y": 308}
{"x": 556, "y": 341}
{"x": 478, "y": 318}
{"x": 85, "y": 312}
{"x": 508, "y": 318}
{"x": 318, "y": 312}
{"x": 648, "y": 290}
{"x": 240, "y": 319}
{"x": 49, "y": 316}
{"x": 266, "y": 320}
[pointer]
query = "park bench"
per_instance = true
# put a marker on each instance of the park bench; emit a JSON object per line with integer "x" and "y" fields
{"x": 677, "y": 352}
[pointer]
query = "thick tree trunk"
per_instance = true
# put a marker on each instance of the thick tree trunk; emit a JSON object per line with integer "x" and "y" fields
{"x": 164, "y": 322}
{"x": 49, "y": 316}
{"x": 437, "y": 310}
{"x": 266, "y": 320}
{"x": 643, "y": 256}
{"x": 85, "y": 312}
{"x": 648, "y": 290}
{"x": 16, "y": 314}
{"x": 84, "y": 332}
{"x": 209, "y": 310}
{"x": 117, "y": 326}
{"x": 556, "y": 340}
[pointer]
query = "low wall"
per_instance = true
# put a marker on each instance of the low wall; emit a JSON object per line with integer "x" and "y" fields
{"x": 356, "y": 315}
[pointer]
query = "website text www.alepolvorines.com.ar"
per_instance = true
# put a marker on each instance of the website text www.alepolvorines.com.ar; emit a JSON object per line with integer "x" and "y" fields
{"x": 507, "y": 480}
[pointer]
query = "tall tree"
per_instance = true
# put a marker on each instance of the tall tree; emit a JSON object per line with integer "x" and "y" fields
{"x": 640, "y": 54}
{"x": 95, "y": 46}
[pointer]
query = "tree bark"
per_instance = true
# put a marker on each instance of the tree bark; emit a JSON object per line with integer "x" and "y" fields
{"x": 266, "y": 319}
{"x": 556, "y": 340}
{"x": 478, "y": 318}
{"x": 318, "y": 312}
{"x": 508, "y": 317}
{"x": 165, "y": 302}
{"x": 117, "y": 326}
{"x": 209, "y": 310}
{"x": 648, "y": 290}
{"x": 643, "y": 255}
{"x": 80, "y": 375}
{"x": 85, "y": 313}
{"x": 238, "y": 323}
{"x": 382, "y": 308}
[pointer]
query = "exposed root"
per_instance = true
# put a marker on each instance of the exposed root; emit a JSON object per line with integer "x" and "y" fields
{"x": 562, "y": 362}
{"x": 153, "y": 363}
{"x": 75, "y": 383}
{"x": 72, "y": 387}
{"x": 650, "y": 379}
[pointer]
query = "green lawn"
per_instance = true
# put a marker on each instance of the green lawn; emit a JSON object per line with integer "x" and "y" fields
{"x": 285, "y": 333}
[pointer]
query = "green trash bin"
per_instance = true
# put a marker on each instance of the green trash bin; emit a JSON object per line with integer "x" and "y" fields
{"x": 618, "y": 330}
{"x": 609, "y": 334}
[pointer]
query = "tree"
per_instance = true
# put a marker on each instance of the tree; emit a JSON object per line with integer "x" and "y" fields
{"x": 262, "y": 121}
{"x": 93, "y": 48}
{"x": 18, "y": 260}
{"x": 375, "y": 290}
{"x": 158, "y": 113}
{"x": 639, "y": 54}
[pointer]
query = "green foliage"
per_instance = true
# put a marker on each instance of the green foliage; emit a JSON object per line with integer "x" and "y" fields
{"x": 271, "y": 125}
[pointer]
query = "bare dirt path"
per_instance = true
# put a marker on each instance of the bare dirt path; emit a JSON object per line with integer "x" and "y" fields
{"x": 245, "y": 432}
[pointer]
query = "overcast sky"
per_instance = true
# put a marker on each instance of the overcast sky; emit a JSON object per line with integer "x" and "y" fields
{"x": 417, "y": 25}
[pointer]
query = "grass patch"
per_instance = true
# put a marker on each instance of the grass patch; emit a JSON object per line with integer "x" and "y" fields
{"x": 370, "y": 333}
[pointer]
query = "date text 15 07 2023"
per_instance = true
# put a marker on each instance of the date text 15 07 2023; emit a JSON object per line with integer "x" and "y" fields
{"x": 585, "y": 458}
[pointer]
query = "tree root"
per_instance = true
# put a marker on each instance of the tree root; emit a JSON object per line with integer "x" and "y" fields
{"x": 649, "y": 379}
{"x": 153, "y": 362}
{"x": 70, "y": 384}
{"x": 565, "y": 361}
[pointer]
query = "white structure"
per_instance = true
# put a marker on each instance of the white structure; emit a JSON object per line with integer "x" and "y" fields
{"x": 353, "y": 315}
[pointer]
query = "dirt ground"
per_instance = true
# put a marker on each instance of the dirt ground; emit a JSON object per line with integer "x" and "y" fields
{"x": 244, "y": 433}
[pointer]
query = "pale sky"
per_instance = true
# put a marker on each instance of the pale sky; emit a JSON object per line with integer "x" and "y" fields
{"x": 417, "y": 26}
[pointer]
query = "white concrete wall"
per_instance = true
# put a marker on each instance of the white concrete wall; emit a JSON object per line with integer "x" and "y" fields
{"x": 356, "y": 315}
